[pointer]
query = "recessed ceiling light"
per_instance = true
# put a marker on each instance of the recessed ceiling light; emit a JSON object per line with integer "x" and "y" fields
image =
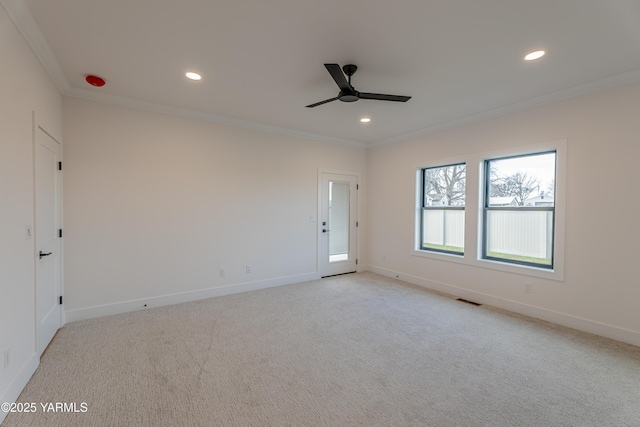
{"x": 534, "y": 55}
{"x": 365, "y": 120}
{"x": 193, "y": 76}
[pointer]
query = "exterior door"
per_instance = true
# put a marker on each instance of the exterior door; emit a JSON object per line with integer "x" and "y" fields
{"x": 338, "y": 223}
{"x": 48, "y": 262}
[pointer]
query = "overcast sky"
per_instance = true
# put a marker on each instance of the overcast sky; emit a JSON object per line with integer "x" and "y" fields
{"x": 540, "y": 166}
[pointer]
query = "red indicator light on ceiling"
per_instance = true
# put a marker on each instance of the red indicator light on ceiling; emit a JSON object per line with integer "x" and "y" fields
{"x": 95, "y": 81}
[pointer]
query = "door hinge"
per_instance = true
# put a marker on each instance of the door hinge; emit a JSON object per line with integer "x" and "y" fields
{"x": 59, "y": 166}
{"x": 356, "y": 223}
{"x": 356, "y": 261}
{"x": 60, "y": 300}
{"x": 357, "y": 186}
{"x": 60, "y": 233}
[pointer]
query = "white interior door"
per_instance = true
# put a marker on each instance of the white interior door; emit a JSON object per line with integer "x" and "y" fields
{"x": 48, "y": 262}
{"x": 338, "y": 223}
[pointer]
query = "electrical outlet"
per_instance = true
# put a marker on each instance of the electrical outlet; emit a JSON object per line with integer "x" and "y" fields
{"x": 7, "y": 359}
{"x": 527, "y": 288}
{"x": 223, "y": 272}
{"x": 249, "y": 269}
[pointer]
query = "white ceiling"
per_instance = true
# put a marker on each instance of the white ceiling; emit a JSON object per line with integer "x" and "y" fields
{"x": 262, "y": 60}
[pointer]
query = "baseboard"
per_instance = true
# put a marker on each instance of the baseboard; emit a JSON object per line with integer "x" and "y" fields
{"x": 146, "y": 303}
{"x": 584, "y": 325}
{"x": 20, "y": 382}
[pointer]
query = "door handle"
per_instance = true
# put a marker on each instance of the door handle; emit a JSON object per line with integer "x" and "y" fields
{"x": 42, "y": 254}
{"x": 324, "y": 230}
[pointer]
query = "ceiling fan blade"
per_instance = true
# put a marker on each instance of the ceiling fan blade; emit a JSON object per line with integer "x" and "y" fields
{"x": 383, "y": 97}
{"x": 338, "y": 76}
{"x": 321, "y": 102}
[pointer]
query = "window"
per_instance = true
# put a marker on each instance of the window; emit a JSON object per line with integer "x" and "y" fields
{"x": 442, "y": 205}
{"x": 517, "y": 221}
{"x": 519, "y": 209}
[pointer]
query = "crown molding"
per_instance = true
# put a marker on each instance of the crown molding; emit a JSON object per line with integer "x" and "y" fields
{"x": 606, "y": 83}
{"x": 202, "y": 116}
{"x": 23, "y": 20}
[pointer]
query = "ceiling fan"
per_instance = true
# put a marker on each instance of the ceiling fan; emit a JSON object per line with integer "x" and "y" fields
{"x": 348, "y": 93}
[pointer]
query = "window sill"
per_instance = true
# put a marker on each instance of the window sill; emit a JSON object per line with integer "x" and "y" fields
{"x": 440, "y": 256}
{"x": 467, "y": 259}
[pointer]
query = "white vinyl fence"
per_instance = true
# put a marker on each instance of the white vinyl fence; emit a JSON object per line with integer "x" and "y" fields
{"x": 525, "y": 233}
{"x": 444, "y": 227}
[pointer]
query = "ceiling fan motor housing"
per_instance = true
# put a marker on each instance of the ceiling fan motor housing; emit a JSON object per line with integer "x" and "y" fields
{"x": 349, "y": 96}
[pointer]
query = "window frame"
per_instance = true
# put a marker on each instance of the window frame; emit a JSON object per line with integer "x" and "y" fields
{"x": 424, "y": 207}
{"x": 487, "y": 208}
{"x": 474, "y": 200}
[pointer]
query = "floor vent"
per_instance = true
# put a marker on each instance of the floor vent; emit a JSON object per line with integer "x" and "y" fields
{"x": 467, "y": 301}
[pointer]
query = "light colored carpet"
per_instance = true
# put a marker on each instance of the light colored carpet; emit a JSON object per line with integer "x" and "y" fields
{"x": 354, "y": 350}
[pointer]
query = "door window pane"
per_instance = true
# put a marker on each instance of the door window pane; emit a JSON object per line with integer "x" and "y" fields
{"x": 338, "y": 221}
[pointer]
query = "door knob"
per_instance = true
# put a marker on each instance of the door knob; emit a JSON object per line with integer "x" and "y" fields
{"x": 42, "y": 254}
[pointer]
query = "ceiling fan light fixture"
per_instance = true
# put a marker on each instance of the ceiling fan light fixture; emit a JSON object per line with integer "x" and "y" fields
{"x": 534, "y": 55}
{"x": 193, "y": 76}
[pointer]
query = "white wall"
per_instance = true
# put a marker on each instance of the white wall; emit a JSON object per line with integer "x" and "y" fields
{"x": 155, "y": 205}
{"x": 24, "y": 88}
{"x": 601, "y": 289}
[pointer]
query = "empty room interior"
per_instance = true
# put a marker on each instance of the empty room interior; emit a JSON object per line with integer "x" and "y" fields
{"x": 319, "y": 213}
